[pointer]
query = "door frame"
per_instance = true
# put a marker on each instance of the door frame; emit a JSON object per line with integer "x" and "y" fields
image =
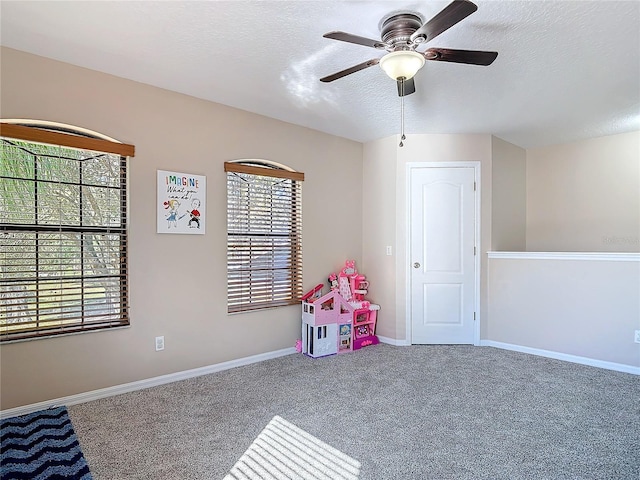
{"x": 410, "y": 167}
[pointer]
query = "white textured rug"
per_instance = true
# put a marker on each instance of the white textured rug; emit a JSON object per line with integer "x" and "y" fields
{"x": 283, "y": 451}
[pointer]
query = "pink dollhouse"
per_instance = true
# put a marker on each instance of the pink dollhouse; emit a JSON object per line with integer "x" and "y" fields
{"x": 339, "y": 321}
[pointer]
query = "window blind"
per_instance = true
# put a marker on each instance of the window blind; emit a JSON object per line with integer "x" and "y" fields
{"x": 264, "y": 237}
{"x": 63, "y": 236}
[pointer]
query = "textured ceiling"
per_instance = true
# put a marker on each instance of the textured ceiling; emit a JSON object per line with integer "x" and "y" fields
{"x": 566, "y": 70}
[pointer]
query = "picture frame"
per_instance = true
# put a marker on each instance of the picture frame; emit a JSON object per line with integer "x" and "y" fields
{"x": 181, "y": 203}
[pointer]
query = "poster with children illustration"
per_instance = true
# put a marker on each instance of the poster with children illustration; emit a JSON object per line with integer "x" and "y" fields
{"x": 181, "y": 203}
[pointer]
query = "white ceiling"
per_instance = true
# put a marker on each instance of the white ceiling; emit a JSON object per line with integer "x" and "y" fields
{"x": 566, "y": 70}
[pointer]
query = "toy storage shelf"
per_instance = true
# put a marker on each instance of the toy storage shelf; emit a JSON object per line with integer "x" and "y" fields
{"x": 364, "y": 325}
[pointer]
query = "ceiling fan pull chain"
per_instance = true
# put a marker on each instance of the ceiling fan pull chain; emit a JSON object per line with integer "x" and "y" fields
{"x": 402, "y": 137}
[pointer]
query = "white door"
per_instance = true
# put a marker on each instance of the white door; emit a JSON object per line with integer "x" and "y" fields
{"x": 442, "y": 253}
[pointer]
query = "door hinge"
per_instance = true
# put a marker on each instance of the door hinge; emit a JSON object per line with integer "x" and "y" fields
{"x": 474, "y": 316}
{"x": 474, "y": 186}
{"x": 474, "y": 251}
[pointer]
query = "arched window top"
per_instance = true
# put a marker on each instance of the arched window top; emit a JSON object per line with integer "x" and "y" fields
{"x": 54, "y": 133}
{"x": 59, "y": 127}
{"x": 260, "y": 162}
{"x": 267, "y": 168}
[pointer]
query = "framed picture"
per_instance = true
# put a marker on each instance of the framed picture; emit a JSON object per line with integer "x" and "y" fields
{"x": 181, "y": 203}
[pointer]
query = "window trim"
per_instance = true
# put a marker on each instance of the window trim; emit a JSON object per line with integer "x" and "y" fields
{"x": 271, "y": 169}
{"x": 40, "y": 134}
{"x": 274, "y": 172}
{"x": 68, "y": 136}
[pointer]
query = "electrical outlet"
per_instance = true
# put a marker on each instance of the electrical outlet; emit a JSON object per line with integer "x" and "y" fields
{"x": 389, "y": 250}
{"x": 637, "y": 337}
{"x": 159, "y": 343}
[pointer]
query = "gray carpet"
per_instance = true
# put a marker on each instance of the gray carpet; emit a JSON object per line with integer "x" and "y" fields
{"x": 420, "y": 412}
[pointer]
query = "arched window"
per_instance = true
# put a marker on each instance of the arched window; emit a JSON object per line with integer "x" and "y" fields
{"x": 264, "y": 235}
{"x": 63, "y": 230}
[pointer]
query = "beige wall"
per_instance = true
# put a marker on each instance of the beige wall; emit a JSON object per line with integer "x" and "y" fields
{"x": 508, "y": 196}
{"x": 585, "y": 196}
{"x": 379, "y": 231}
{"x": 385, "y": 206}
{"x": 586, "y": 308}
{"x": 167, "y": 272}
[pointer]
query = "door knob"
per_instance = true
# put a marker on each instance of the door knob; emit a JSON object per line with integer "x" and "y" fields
{"x": 416, "y": 265}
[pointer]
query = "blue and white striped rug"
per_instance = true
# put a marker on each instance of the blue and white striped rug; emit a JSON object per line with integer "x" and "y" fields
{"x": 41, "y": 446}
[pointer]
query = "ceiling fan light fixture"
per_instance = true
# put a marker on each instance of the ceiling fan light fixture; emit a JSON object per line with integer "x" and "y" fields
{"x": 402, "y": 63}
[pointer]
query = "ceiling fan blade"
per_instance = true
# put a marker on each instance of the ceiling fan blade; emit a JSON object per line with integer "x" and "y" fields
{"x": 471, "y": 57}
{"x": 350, "y": 70}
{"x": 447, "y": 18}
{"x": 408, "y": 88}
{"x": 348, "y": 37}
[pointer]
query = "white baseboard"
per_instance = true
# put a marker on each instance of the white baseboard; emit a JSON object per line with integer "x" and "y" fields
{"x": 393, "y": 341}
{"x": 142, "y": 384}
{"x": 618, "y": 367}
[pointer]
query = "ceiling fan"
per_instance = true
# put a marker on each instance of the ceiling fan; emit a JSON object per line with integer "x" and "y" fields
{"x": 401, "y": 34}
